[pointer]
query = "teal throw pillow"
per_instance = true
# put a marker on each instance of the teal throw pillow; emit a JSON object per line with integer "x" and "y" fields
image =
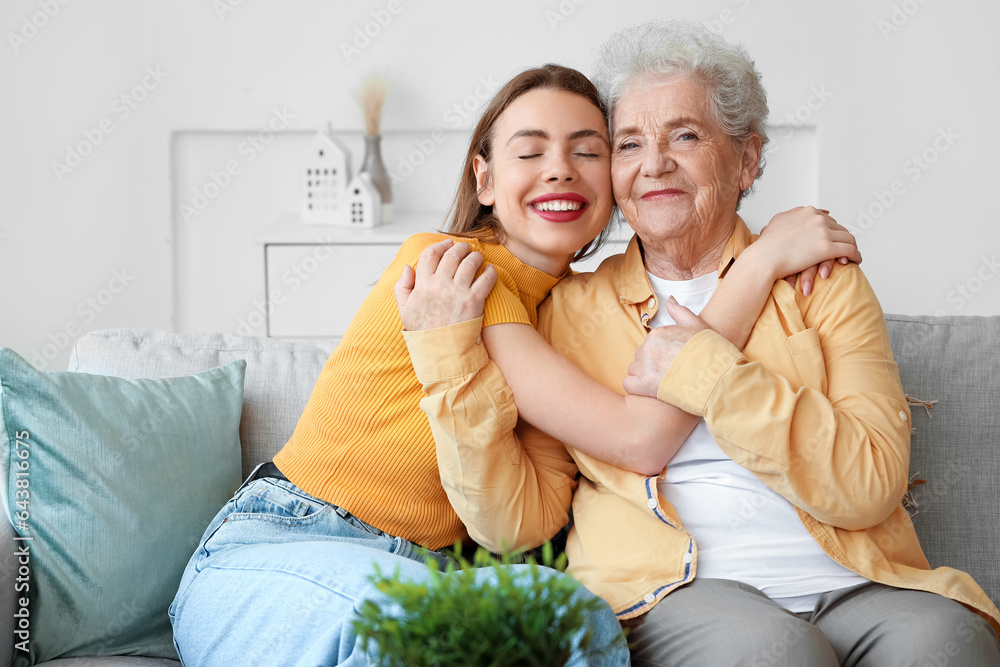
{"x": 109, "y": 484}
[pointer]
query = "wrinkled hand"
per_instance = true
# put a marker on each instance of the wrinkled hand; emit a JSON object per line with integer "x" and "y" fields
{"x": 444, "y": 289}
{"x": 805, "y": 241}
{"x": 661, "y": 347}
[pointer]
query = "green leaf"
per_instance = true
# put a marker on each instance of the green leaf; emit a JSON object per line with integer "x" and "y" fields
{"x": 514, "y": 615}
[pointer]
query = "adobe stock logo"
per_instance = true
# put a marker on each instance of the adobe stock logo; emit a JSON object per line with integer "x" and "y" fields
{"x": 818, "y": 96}
{"x": 363, "y": 35}
{"x": 122, "y": 107}
{"x": 914, "y": 167}
{"x": 726, "y": 17}
{"x": 31, "y": 26}
{"x": 966, "y": 290}
{"x": 563, "y": 11}
{"x": 224, "y": 7}
{"x": 457, "y": 114}
{"x": 87, "y": 311}
{"x": 900, "y": 16}
{"x": 249, "y": 149}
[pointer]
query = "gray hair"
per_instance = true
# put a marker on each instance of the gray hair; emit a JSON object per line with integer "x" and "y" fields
{"x": 682, "y": 48}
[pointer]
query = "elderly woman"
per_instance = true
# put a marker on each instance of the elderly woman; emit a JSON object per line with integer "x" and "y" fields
{"x": 785, "y": 499}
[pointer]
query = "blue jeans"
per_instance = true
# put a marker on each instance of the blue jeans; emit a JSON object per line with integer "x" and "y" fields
{"x": 279, "y": 575}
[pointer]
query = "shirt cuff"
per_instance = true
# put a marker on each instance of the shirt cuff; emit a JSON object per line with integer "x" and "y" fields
{"x": 448, "y": 352}
{"x": 697, "y": 370}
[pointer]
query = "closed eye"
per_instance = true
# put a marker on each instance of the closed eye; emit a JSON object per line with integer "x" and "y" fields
{"x": 528, "y": 157}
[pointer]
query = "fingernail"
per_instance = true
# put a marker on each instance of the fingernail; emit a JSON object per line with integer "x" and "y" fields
{"x": 671, "y": 299}
{"x": 843, "y": 260}
{"x": 806, "y": 286}
{"x": 824, "y": 272}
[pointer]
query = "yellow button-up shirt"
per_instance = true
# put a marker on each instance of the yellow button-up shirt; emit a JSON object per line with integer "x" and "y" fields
{"x": 812, "y": 406}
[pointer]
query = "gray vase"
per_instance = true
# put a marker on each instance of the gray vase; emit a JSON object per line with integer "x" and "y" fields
{"x": 373, "y": 165}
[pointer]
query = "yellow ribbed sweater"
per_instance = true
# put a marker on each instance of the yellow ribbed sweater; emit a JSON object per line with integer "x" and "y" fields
{"x": 362, "y": 443}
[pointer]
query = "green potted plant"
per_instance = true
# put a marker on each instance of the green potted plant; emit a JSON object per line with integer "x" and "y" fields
{"x": 489, "y": 613}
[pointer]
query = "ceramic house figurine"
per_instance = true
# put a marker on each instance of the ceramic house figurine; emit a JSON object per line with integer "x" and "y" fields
{"x": 364, "y": 203}
{"x": 326, "y": 172}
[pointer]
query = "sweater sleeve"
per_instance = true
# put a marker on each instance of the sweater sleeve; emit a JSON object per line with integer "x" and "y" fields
{"x": 837, "y": 447}
{"x": 503, "y": 305}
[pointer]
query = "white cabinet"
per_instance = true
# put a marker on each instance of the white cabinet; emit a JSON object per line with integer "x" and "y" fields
{"x": 316, "y": 277}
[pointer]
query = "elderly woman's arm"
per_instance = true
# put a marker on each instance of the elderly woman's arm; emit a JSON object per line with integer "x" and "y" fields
{"x": 837, "y": 446}
{"x": 561, "y": 399}
{"x": 514, "y": 491}
{"x": 635, "y": 433}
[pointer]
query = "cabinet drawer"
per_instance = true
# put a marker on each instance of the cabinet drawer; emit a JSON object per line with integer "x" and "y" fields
{"x": 316, "y": 289}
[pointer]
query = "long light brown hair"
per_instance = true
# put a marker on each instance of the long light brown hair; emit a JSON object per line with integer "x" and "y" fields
{"x": 467, "y": 217}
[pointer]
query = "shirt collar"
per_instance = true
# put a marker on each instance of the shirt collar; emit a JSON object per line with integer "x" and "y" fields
{"x": 633, "y": 284}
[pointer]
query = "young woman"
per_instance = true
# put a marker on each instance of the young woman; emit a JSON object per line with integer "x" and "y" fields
{"x": 283, "y": 566}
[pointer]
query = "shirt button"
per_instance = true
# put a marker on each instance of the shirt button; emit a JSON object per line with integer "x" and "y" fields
{"x": 651, "y": 503}
{"x": 688, "y": 558}
{"x": 902, "y": 415}
{"x": 651, "y": 303}
{"x": 649, "y": 598}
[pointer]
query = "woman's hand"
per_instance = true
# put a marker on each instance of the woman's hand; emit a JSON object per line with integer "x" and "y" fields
{"x": 806, "y": 239}
{"x": 661, "y": 347}
{"x": 444, "y": 289}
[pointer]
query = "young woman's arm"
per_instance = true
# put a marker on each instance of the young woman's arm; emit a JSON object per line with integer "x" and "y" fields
{"x": 802, "y": 239}
{"x": 633, "y": 432}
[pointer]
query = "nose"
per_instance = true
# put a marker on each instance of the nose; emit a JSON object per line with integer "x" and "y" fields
{"x": 657, "y": 161}
{"x": 560, "y": 167}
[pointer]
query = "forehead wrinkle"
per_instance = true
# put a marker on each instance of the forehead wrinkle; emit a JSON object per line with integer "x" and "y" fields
{"x": 672, "y": 123}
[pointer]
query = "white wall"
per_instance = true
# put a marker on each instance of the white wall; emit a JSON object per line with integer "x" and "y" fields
{"x": 861, "y": 87}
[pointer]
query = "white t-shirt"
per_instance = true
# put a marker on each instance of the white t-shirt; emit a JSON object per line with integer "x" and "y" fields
{"x": 743, "y": 530}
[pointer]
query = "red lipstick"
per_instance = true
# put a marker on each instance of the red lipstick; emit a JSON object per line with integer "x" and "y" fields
{"x": 559, "y": 216}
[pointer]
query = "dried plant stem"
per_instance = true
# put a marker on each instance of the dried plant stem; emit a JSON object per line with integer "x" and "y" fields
{"x": 371, "y": 98}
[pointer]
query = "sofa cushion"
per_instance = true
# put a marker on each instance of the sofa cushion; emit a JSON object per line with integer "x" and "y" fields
{"x": 279, "y": 379}
{"x": 110, "y": 483}
{"x": 955, "y": 445}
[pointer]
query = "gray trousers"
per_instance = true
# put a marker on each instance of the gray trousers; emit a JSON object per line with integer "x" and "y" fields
{"x": 718, "y": 623}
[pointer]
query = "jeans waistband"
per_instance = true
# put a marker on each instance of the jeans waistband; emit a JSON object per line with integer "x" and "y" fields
{"x": 267, "y": 469}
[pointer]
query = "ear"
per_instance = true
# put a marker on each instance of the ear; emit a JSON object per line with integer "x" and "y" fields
{"x": 750, "y": 161}
{"x": 484, "y": 185}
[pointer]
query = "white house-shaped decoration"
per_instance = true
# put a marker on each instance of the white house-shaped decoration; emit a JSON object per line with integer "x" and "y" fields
{"x": 326, "y": 171}
{"x": 364, "y": 203}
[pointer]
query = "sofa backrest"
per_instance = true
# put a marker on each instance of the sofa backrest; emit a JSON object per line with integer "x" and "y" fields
{"x": 955, "y": 445}
{"x": 279, "y": 378}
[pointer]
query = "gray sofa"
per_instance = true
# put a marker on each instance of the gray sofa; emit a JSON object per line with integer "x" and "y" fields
{"x": 954, "y": 361}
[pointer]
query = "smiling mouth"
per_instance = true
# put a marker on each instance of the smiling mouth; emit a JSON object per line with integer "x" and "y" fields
{"x": 558, "y": 205}
{"x": 666, "y": 192}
